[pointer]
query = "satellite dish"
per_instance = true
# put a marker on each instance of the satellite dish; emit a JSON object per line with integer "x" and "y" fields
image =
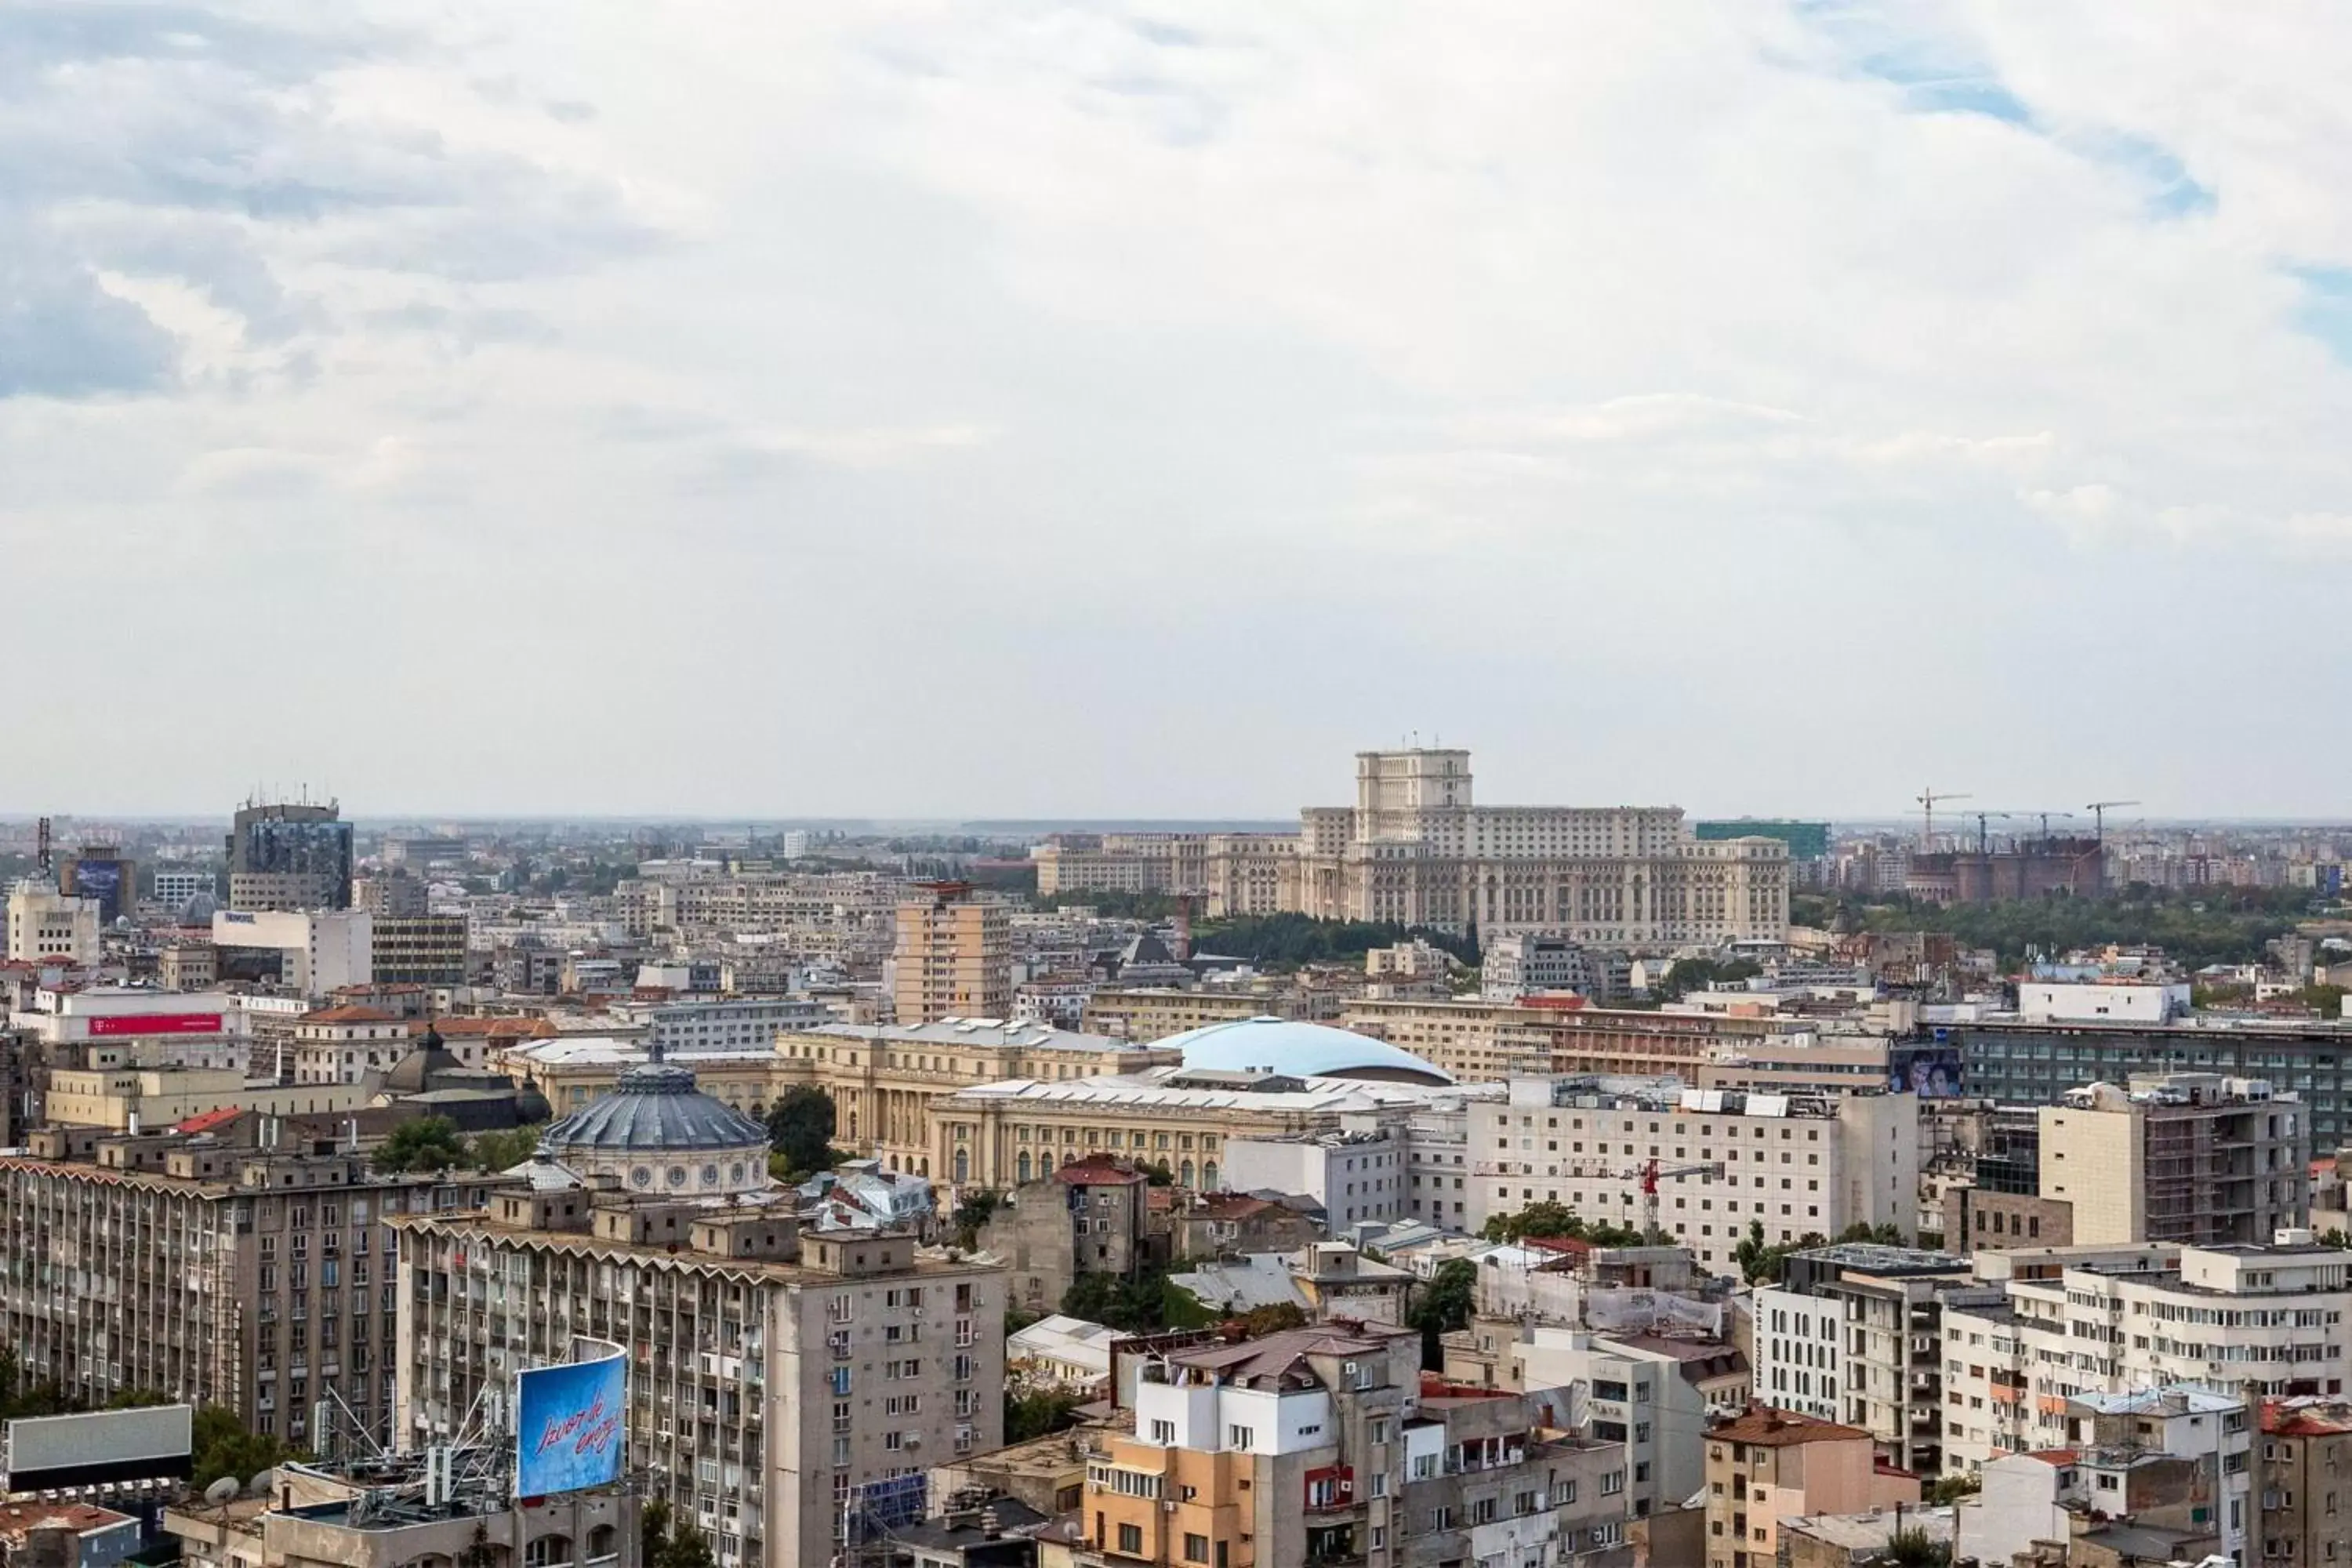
{"x": 260, "y": 1485}
{"x": 223, "y": 1490}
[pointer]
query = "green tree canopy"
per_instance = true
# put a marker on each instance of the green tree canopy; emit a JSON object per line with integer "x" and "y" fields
{"x": 800, "y": 1128}
{"x": 426, "y": 1143}
{"x": 1289, "y": 940}
{"x": 1760, "y": 1264}
{"x": 1035, "y": 1413}
{"x": 1691, "y": 975}
{"x": 1545, "y": 1219}
{"x": 1442, "y": 1305}
{"x": 224, "y": 1447}
{"x": 502, "y": 1149}
{"x": 975, "y": 1209}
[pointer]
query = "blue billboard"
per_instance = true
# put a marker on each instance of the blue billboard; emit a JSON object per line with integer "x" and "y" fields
{"x": 568, "y": 1425}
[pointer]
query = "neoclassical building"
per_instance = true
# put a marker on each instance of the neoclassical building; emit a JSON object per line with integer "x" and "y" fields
{"x": 1416, "y": 850}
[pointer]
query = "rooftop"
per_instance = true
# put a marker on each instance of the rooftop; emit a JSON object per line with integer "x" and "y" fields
{"x": 1300, "y": 1049}
{"x": 1764, "y": 1426}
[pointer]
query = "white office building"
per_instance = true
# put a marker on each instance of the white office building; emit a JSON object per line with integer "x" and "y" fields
{"x": 1794, "y": 1165}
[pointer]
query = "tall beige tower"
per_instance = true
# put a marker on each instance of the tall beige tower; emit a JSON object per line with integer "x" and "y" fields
{"x": 954, "y": 956}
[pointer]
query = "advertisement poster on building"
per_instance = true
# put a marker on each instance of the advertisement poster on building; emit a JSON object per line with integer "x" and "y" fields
{"x": 568, "y": 1422}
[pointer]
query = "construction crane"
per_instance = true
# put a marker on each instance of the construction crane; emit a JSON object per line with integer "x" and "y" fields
{"x": 2099, "y": 809}
{"x": 2045, "y": 816}
{"x": 1927, "y": 799}
{"x": 1651, "y": 1175}
{"x": 1982, "y": 846}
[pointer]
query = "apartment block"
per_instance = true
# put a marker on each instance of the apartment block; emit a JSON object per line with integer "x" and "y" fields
{"x": 1726, "y": 1160}
{"x": 258, "y": 1280}
{"x": 2306, "y": 1483}
{"x": 2194, "y": 1158}
{"x": 777, "y": 1382}
{"x": 1327, "y": 1445}
{"x": 1769, "y": 1465}
{"x": 953, "y": 957}
{"x": 2046, "y": 1326}
{"x": 1146, "y": 1013}
{"x": 1853, "y": 1334}
{"x": 45, "y": 925}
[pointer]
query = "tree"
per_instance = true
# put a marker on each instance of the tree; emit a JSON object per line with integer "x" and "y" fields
{"x": 427, "y": 1143}
{"x": 1546, "y": 1219}
{"x": 976, "y": 1209}
{"x": 665, "y": 1541}
{"x": 222, "y": 1446}
{"x": 1136, "y": 1305}
{"x": 1760, "y": 1264}
{"x": 1691, "y": 975}
{"x": 1035, "y": 1413}
{"x": 1912, "y": 1547}
{"x": 1444, "y": 1304}
{"x": 800, "y": 1127}
{"x": 1157, "y": 1174}
{"x": 504, "y": 1150}
{"x": 1949, "y": 1490}
{"x": 1886, "y": 1235}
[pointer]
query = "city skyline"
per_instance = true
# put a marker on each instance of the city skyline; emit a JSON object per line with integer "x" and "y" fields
{"x": 1760, "y": 407}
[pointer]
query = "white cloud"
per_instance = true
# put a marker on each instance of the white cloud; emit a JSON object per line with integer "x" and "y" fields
{"x": 1551, "y": 377}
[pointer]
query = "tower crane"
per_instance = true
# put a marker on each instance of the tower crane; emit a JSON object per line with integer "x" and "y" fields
{"x": 1982, "y": 845}
{"x": 1927, "y": 799}
{"x": 2099, "y": 809}
{"x": 1647, "y": 1175}
{"x": 2045, "y": 816}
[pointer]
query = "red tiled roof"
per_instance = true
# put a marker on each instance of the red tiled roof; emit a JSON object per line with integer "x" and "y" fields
{"x": 1097, "y": 1170}
{"x": 2054, "y": 1456}
{"x": 1771, "y": 1428}
{"x": 210, "y": 1120}
{"x": 348, "y": 1016}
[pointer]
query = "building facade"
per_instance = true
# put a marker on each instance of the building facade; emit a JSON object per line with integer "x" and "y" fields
{"x": 1855, "y": 1334}
{"x": 1414, "y": 850}
{"x": 45, "y": 925}
{"x": 2210, "y": 1161}
{"x": 289, "y": 857}
{"x": 1728, "y": 1162}
{"x": 953, "y": 957}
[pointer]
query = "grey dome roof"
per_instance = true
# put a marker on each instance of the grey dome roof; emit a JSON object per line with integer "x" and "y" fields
{"x": 1305, "y": 1050}
{"x": 655, "y": 1107}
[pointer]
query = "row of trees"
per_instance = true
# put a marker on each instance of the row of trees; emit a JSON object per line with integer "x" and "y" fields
{"x": 1291, "y": 939}
{"x": 2207, "y": 925}
{"x": 434, "y": 1143}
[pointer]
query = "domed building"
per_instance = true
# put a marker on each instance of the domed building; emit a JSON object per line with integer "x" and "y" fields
{"x": 657, "y": 1134}
{"x": 1266, "y": 1045}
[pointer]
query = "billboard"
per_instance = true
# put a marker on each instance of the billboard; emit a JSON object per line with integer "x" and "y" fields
{"x": 104, "y": 881}
{"x": 156, "y": 1024}
{"x": 152, "y": 1443}
{"x": 1931, "y": 1072}
{"x": 568, "y": 1423}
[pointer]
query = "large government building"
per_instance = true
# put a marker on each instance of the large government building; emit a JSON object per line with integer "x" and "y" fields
{"x": 1416, "y": 850}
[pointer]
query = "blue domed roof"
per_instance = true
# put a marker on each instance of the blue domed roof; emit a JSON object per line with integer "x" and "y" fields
{"x": 1302, "y": 1050}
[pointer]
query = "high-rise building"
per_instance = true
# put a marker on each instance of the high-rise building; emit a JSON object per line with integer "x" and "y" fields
{"x": 953, "y": 957}
{"x": 44, "y": 924}
{"x": 392, "y": 893}
{"x": 782, "y": 1387}
{"x": 418, "y": 949}
{"x": 1853, "y": 1334}
{"x": 107, "y": 877}
{"x": 2187, "y": 1157}
{"x": 250, "y": 1279}
{"x": 177, "y": 888}
{"x": 1413, "y": 851}
{"x": 289, "y": 857}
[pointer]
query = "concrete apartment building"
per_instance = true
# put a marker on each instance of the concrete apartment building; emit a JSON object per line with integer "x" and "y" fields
{"x": 418, "y": 949}
{"x": 45, "y": 924}
{"x": 2306, "y": 1483}
{"x": 1770, "y": 1465}
{"x": 953, "y": 956}
{"x": 1512, "y": 966}
{"x": 1416, "y": 850}
{"x": 1853, "y": 1334}
{"x": 176, "y": 889}
{"x": 776, "y": 1380}
{"x": 395, "y": 895}
{"x": 1356, "y": 1172}
{"x": 2194, "y": 1158}
{"x": 344, "y": 1045}
{"x": 2048, "y": 1325}
{"x": 256, "y": 1280}
{"x": 1327, "y": 1445}
{"x": 1798, "y": 1167}
{"x": 688, "y": 1025}
{"x": 1091, "y": 1217}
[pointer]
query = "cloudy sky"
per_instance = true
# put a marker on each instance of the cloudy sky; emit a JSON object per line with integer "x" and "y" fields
{"x": 1004, "y": 409}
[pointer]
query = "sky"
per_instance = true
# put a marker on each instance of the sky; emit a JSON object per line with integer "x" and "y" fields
{"x": 1022, "y": 409}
